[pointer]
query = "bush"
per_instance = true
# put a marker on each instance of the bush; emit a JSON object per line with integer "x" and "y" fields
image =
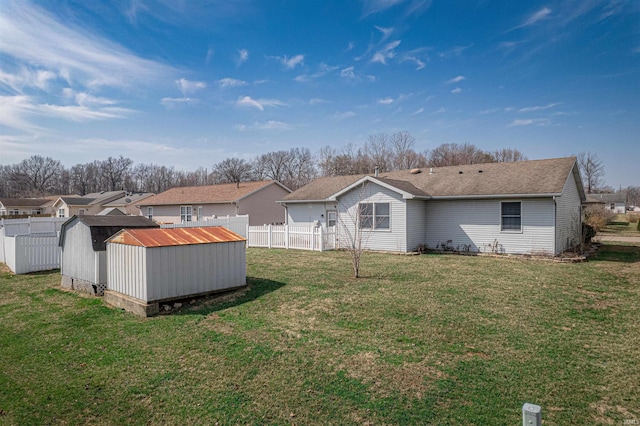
{"x": 597, "y": 217}
{"x": 588, "y": 232}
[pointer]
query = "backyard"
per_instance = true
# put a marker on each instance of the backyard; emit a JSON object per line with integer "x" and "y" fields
{"x": 429, "y": 339}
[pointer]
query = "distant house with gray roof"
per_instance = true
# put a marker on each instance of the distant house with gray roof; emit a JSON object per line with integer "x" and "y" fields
{"x": 89, "y": 204}
{"x": 527, "y": 207}
{"x": 615, "y": 202}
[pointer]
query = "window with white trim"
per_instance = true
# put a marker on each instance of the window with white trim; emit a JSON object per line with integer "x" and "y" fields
{"x": 186, "y": 213}
{"x": 81, "y": 212}
{"x": 150, "y": 212}
{"x": 511, "y": 216}
{"x": 61, "y": 212}
{"x": 332, "y": 218}
{"x": 374, "y": 216}
{"x": 199, "y": 213}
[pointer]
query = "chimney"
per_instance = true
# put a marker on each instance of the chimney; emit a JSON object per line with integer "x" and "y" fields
{"x": 376, "y": 171}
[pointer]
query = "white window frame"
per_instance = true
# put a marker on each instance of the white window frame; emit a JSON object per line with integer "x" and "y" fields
{"x": 14, "y": 212}
{"x": 150, "y": 213}
{"x": 186, "y": 214}
{"x": 61, "y": 212}
{"x": 199, "y": 213}
{"x": 503, "y": 216}
{"x": 376, "y": 219}
{"x": 332, "y": 218}
{"x": 82, "y": 212}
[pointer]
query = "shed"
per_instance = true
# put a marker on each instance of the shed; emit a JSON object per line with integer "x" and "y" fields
{"x": 83, "y": 262}
{"x": 150, "y": 266}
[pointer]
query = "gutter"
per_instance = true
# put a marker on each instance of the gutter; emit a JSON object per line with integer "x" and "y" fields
{"x": 492, "y": 196}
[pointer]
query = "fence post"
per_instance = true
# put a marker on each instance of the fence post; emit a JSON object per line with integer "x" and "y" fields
{"x": 321, "y": 238}
{"x": 286, "y": 236}
{"x": 531, "y": 415}
{"x": 269, "y": 235}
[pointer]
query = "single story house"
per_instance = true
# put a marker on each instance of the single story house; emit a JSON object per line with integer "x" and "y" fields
{"x": 88, "y": 204}
{"x": 186, "y": 204}
{"x": 615, "y": 203}
{"x": 23, "y": 206}
{"x": 526, "y": 207}
{"x": 127, "y": 204}
{"x": 83, "y": 261}
{"x": 149, "y": 266}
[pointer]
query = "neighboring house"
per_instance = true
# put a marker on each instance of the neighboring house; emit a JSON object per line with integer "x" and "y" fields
{"x": 615, "y": 203}
{"x": 127, "y": 204}
{"x": 83, "y": 262}
{"x": 526, "y": 207}
{"x": 23, "y": 206}
{"x": 90, "y": 204}
{"x": 186, "y": 204}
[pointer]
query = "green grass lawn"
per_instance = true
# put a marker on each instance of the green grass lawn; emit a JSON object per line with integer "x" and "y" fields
{"x": 431, "y": 339}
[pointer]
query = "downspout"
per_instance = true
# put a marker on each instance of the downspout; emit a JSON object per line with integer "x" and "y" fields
{"x": 555, "y": 228}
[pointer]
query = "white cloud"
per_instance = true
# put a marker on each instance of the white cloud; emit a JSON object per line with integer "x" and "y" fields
{"x": 348, "y": 73}
{"x": 420, "y": 64}
{"x": 85, "y": 99}
{"x": 457, "y": 79}
{"x": 440, "y": 110}
{"x": 387, "y": 52}
{"x": 210, "y": 52}
{"x": 243, "y": 56}
{"x": 374, "y": 6}
{"x": 186, "y": 86}
{"x": 530, "y": 122}
{"x": 386, "y": 32}
{"x": 385, "y": 101}
{"x": 274, "y": 125}
{"x": 344, "y": 115}
{"x": 318, "y": 101}
{"x": 291, "y": 63}
{"x": 536, "y": 17}
{"x": 247, "y": 101}
{"x": 35, "y": 38}
{"x": 27, "y": 78}
{"x": 231, "y": 82}
{"x": 418, "y": 111}
{"x": 456, "y": 90}
{"x": 539, "y": 107}
{"x": 173, "y": 102}
{"x": 323, "y": 70}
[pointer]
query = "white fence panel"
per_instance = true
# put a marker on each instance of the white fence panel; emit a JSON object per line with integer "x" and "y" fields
{"x": 36, "y": 253}
{"x": 10, "y": 252}
{"x": 32, "y": 225}
{"x": 237, "y": 224}
{"x": 292, "y": 237}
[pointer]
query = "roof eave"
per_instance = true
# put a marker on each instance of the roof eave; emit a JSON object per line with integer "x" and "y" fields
{"x": 493, "y": 196}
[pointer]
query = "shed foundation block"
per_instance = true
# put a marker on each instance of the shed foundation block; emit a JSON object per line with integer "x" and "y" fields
{"x": 131, "y": 304}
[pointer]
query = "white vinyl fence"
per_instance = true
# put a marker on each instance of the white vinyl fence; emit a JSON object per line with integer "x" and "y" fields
{"x": 30, "y": 245}
{"x": 315, "y": 238}
{"x": 237, "y": 224}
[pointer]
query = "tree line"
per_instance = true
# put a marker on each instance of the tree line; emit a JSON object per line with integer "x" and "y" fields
{"x": 39, "y": 176}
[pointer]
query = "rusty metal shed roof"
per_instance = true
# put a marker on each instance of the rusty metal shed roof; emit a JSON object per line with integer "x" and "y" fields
{"x": 175, "y": 236}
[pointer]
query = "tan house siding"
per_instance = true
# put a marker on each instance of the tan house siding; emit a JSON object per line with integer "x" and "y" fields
{"x": 261, "y": 206}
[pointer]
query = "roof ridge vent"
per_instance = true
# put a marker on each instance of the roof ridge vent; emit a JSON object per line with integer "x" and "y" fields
{"x": 415, "y": 171}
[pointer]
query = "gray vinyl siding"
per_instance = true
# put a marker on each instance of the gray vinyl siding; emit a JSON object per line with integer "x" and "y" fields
{"x": 393, "y": 239}
{"x": 160, "y": 273}
{"x": 262, "y": 207}
{"x": 78, "y": 258}
{"x": 568, "y": 216}
{"x": 306, "y": 214}
{"x": 416, "y": 223}
{"x": 476, "y": 224}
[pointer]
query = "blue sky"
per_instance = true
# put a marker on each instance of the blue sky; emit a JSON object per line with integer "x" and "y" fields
{"x": 190, "y": 83}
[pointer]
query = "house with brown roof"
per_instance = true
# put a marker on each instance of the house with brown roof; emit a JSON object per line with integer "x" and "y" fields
{"x": 526, "y": 207}
{"x": 186, "y": 204}
{"x": 23, "y": 206}
{"x": 89, "y": 204}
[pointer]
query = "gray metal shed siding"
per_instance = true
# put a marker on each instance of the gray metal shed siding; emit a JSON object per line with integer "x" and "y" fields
{"x": 79, "y": 261}
{"x": 153, "y": 274}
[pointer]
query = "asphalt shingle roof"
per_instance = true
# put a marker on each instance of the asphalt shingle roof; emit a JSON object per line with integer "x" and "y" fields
{"x": 211, "y": 194}
{"x": 535, "y": 177}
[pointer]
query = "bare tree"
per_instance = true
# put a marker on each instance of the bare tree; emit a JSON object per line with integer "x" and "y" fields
{"x": 233, "y": 170}
{"x": 37, "y": 175}
{"x": 404, "y": 156}
{"x": 505, "y": 155}
{"x": 452, "y": 154}
{"x": 377, "y": 153}
{"x": 114, "y": 173}
{"x": 592, "y": 171}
